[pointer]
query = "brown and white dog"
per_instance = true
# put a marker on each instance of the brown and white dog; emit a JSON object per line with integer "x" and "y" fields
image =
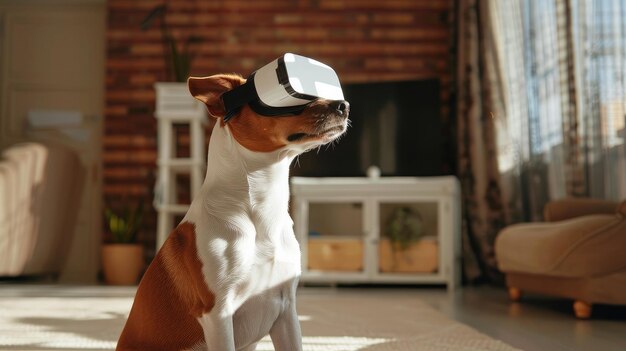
{"x": 227, "y": 275}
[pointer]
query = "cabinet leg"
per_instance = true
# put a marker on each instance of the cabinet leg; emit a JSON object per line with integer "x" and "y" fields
{"x": 582, "y": 309}
{"x": 515, "y": 294}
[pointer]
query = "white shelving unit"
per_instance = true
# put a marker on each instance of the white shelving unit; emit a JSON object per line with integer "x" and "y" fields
{"x": 174, "y": 105}
{"x": 340, "y": 223}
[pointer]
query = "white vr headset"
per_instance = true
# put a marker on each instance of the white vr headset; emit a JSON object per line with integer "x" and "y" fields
{"x": 284, "y": 87}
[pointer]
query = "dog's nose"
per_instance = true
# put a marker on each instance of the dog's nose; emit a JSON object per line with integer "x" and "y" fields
{"x": 342, "y": 107}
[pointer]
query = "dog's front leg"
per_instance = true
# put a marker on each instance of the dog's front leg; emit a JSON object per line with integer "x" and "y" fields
{"x": 218, "y": 330}
{"x": 285, "y": 333}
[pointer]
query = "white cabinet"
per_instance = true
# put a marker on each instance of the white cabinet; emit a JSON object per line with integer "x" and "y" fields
{"x": 348, "y": 229}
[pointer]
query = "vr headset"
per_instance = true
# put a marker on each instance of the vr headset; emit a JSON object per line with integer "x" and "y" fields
{"x": 285, "y": 86}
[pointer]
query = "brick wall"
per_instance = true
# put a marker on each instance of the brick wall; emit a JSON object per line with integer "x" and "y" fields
{"x": 363, "y": 40}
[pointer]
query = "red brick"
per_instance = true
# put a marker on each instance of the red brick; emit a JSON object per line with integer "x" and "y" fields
{"x": 386, "y": 4}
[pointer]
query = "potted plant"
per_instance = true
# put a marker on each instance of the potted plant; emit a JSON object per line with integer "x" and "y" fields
{"x": 404, "y": 248}
{"x": 176, "y": 53}
{"x": 122, "y": 258}
{"x": 404, "y": 227}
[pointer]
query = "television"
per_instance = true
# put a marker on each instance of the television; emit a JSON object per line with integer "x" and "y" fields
{"x": 395, "y": 126}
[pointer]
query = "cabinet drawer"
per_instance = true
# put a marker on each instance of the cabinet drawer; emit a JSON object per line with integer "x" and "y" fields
{"x": 335, "y": 254}
{"x": 420, "y": 257}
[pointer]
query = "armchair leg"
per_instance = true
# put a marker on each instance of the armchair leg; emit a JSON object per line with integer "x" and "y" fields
{"x": 582, "y": 309}
{"x": 515, "y": 294}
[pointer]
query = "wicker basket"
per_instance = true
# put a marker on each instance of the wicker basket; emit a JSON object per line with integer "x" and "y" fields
{"x": 335, "y": 254}
{"x": 420, "y": 257}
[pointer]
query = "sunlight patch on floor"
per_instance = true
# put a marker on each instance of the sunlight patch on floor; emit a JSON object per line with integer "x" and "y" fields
{"x": 328, "y": 343}
{"x": 32, "y": 337}
{"x": 61, "y": 323}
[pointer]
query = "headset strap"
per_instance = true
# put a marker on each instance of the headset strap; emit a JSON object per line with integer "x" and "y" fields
{"x": 237, "y": 98}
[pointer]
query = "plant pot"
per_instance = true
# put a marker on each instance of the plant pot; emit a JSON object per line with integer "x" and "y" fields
{"x": 122, "y": 263}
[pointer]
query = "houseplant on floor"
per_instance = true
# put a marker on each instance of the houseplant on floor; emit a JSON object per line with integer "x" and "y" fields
{"x": 122, "y": 258}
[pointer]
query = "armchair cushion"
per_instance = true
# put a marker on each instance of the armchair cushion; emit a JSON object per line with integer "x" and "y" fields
{"x": 567, "y": 208}
{"x": 584, "y": 246}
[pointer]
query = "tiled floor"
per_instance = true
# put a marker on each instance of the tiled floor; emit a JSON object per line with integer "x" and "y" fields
{"x": 535, "y": 324}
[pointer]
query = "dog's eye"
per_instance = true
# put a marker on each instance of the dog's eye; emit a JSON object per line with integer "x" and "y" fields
{"x": 296, "y": 137}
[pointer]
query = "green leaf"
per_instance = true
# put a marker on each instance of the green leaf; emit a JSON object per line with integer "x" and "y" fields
{"x": 124, "y": 228}
{"x": 156, "y": 12}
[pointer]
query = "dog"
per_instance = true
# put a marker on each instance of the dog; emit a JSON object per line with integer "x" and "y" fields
{"x": 227, "y": 274}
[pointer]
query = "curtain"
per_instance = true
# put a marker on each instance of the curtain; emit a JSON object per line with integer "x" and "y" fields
{"x": 478, "y": 97}
{"x": 602, "y": 33}
{"x": 541, "y": 111}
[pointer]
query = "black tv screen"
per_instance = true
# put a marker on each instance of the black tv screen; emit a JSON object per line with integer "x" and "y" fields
{"x": 394, "y": 125}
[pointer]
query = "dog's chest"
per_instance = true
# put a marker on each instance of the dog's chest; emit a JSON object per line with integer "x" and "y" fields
{"x": 247, "y": 252}
{"x": 276, "y": 254}
{"x": 256, "y": 263}
{"x": 269, "y": 287}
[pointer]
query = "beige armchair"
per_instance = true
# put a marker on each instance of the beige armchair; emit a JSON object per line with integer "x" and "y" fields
{"x": 40, "y": 189}
{"x": 579, "y": 253}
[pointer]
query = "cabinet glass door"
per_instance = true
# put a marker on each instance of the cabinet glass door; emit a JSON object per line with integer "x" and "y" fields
{"x": 335, "y": 237}
{"x": 409, "y": 238}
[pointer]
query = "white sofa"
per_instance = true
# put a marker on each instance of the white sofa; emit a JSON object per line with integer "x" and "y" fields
{"x": 40, "y": 189}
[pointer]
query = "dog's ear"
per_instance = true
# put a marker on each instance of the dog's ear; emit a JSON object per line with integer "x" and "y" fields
{"x": 210, "y": 89}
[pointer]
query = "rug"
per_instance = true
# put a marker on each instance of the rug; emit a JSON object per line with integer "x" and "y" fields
{"x": 330, "y": 322}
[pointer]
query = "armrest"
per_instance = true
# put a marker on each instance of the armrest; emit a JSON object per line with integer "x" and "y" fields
{"x": 559, "y": 210}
